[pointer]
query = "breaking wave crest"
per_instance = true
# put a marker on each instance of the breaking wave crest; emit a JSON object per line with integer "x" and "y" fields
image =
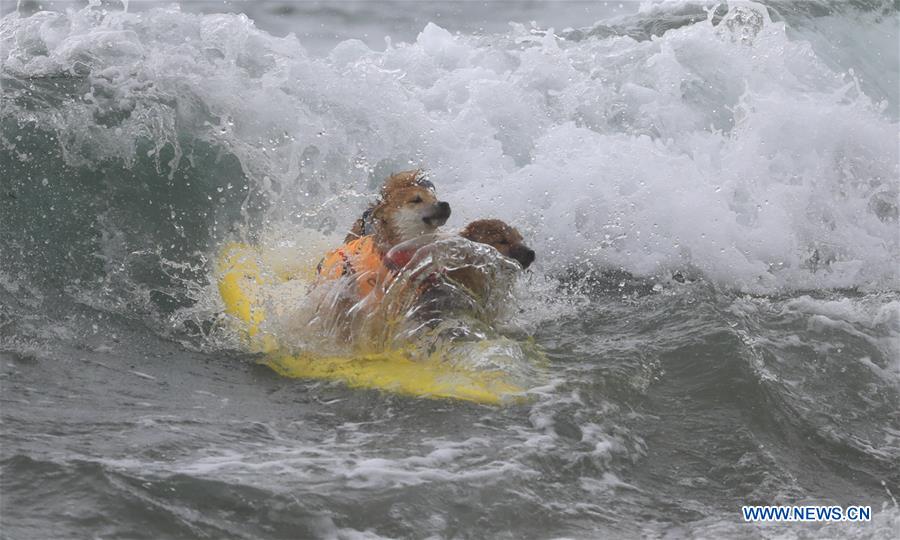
{"x": 134, "y": 144}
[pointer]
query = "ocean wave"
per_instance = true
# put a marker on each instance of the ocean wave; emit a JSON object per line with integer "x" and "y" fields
{"x": 133, "y": 144}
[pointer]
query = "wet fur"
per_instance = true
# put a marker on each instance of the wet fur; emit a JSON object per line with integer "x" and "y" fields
{"x": 499, "y": 235}
{"x": 407, "y": 208}
{"x": 397, "y": 216}
{"x": 502, "y": 237}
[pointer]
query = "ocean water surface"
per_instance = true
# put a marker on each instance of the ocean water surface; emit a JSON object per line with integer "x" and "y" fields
{"x": 711, "y": 189}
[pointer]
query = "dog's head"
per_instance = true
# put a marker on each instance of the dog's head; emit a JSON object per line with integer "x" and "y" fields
{"x": 500, "y": 236}
{"x": 408, "y": 208}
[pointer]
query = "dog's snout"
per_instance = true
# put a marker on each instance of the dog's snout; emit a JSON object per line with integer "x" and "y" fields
{"x": 438, "y": 213}
{"x": 524, "y": 255}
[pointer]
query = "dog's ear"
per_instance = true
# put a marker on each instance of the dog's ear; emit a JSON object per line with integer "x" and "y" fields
{"x": 404, "y": 179}
{"x": 393, "y": 183}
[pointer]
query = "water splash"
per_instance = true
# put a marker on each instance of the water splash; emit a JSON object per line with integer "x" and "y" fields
{"x": 723, "y": 147}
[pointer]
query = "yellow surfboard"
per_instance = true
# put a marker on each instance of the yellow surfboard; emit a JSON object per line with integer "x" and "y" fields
{"x": 242, "y": 278}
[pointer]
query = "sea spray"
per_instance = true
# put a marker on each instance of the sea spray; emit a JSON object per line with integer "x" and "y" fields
{"x": 722, "y": 147}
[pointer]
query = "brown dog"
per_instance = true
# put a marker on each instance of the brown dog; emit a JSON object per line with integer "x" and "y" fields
{"x": 457, "y": 285}
{"x": 408, "y": 208}
{"x": 500, "y": 236}
{"x": 400, "y": 188}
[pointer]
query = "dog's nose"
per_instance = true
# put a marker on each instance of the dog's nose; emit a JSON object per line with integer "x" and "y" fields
{"x": 524, "y": 255}
{"x": 442, "y": 210}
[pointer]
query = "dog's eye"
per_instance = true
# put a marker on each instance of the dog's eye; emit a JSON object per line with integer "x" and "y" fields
{"x": 418, "y": 199}
{"x": 503, "y": 242}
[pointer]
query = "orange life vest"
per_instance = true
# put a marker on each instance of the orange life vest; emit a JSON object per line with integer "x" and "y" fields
{"x": 358, "y": 257}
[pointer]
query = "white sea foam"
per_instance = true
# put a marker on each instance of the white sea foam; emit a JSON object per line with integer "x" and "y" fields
{"x": 733, "y": 150}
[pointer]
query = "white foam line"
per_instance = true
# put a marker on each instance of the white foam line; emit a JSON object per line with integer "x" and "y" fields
{"x": 143, "y": 375}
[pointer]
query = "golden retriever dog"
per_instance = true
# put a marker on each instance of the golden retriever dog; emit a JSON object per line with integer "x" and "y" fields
{"x": 456, "y": 288}
{"x": 502, "y": 237}
{"x": 441, "y": 260}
